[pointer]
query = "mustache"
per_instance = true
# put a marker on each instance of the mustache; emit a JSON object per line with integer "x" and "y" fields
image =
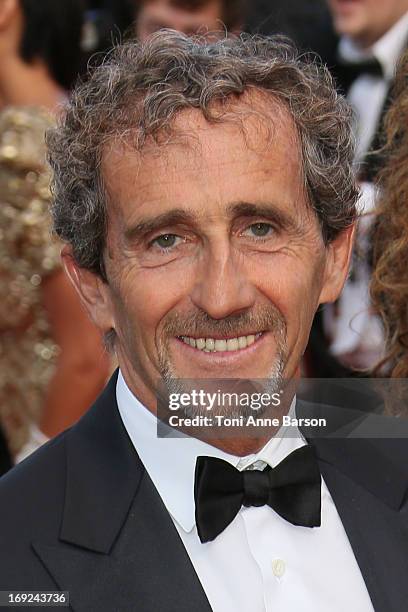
{"x": 200, "y": 324}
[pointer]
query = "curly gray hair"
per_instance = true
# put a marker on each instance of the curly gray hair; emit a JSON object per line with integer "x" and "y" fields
{"x": 141, "y": 88}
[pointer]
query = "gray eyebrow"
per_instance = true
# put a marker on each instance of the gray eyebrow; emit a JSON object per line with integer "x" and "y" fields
{"x": 149, "y": 225}
{"x": 269, "y": 211}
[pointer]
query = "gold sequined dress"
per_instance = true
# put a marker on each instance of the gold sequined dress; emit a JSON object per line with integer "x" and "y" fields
{"x": 27, "y": 255}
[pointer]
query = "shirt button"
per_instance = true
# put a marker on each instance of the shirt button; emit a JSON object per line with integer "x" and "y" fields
{"x": 278, "y": 568}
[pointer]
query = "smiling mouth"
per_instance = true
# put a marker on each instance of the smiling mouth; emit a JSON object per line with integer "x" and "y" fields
{"x": 221, "y": 345}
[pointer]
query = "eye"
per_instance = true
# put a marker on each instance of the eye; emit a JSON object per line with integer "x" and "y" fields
{"x": 165, "y": 241}
{"x": 260, "y": 230}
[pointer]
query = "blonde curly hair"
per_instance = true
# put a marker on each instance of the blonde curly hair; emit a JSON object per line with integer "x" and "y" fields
{"x": 389, "y": 287}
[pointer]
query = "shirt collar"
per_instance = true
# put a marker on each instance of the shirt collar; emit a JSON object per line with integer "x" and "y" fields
{"x": 387, "y": 50}
{"x": 170, "y": 462}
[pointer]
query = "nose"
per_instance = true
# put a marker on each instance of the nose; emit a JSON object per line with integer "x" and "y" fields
{"x": 222, "y": 285}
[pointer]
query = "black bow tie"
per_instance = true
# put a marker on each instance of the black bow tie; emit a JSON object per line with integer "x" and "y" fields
{"x": 292, "y": 489}
{"x": 369, "y": 66}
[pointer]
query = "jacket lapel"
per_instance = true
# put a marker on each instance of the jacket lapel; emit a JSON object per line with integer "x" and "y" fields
{"x": 118, "y": 547}
{"x": 367, "y": 478}
{"x": 378, "y": 535}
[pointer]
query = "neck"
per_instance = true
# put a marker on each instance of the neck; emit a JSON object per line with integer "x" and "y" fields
{"x": 250, "y": 439}
{"x": 365, "y": 43}
{"x": 241, "y": 447}
{"x": 24, "y": 84}
{"x": 367, "y": 39}
{"x": 247, "y": 441}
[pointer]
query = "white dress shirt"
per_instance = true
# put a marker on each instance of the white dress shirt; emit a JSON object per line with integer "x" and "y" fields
{"x": 260, "y": 562}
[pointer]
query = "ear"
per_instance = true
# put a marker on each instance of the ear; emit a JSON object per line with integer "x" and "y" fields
{"x": 93, "y": 292}
{"x": 8, "y": 10}
{"x": 337, "y": 265}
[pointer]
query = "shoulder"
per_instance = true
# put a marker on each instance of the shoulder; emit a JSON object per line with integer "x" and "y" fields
{"x": 36, "y": 481}
{"x": 31, "y": 506}
{"x": 362, "y": 427}
{"x": 35, "y": 488}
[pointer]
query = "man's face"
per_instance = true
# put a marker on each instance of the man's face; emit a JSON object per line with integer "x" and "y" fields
{"x": 157, "y": 14}
{"x": 211, "y": 241}
{"x": 366, "y": 21}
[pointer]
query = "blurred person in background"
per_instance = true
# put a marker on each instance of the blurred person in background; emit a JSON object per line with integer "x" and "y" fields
{"x": 348, "y": 336}
{"x": 121, "y": 13}
{"x": 51, "y": 359}
{"x": 309, "y": 24}
{"x": 389, "y": 287}
{"x": 373, "y": 37}
{"x": 188, "y": 16}
{"x": 108, "y": 22}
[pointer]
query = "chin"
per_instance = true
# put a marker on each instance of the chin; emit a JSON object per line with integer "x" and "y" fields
{"x": 270, "y": 371}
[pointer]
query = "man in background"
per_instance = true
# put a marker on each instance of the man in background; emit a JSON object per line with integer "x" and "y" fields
{"x": 188, "y": 16}
{"x": 373, "y": 36}
{"x": 309, "y": 24}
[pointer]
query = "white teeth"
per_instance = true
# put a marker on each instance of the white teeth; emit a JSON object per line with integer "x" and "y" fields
{"x": 220, "y": 345}
{"x": 242, "y": 342}
{"x": 232, "y": 344}
{"x": 211, "y": 345}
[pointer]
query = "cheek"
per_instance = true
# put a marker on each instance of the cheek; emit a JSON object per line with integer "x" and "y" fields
{"x": 146, "y": 297}
{"x": 294, "y": 290}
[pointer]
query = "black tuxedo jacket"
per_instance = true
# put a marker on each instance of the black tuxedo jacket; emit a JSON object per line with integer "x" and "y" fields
{"x": 82, "y": 515}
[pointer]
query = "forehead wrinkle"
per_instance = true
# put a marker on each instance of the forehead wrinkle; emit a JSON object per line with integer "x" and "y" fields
{"x": 256, "y": 115}
{"x": 165, "y": 160}
{"x": 254, "y": 111}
